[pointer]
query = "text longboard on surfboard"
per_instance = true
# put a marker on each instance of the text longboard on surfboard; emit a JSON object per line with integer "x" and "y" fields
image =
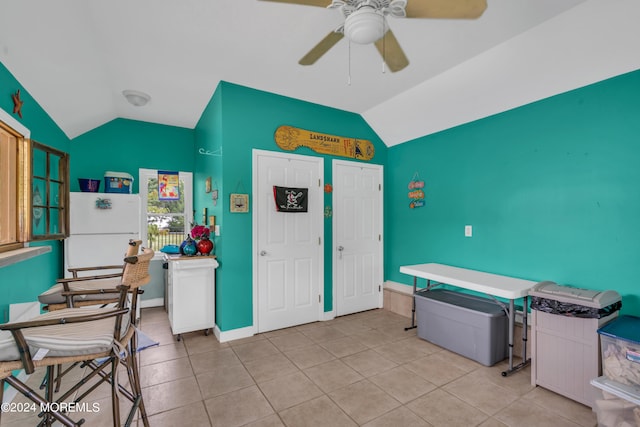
{"x": 289, "y": 138}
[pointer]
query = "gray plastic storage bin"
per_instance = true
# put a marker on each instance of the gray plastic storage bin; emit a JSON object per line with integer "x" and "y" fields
{"x": 471, "y": 326}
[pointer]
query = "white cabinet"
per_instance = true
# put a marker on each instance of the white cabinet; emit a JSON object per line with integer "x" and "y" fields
{"x": 191, "y": 297}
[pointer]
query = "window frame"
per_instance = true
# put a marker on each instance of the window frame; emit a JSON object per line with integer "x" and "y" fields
{"x": 16, "y": 194}
{"x": 144, "y": 175}
{"x": 22, "y": 234}
{"x": 63, "y": 194}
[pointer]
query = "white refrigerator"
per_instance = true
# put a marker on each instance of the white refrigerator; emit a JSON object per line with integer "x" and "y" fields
{"x": 101, "y": 225}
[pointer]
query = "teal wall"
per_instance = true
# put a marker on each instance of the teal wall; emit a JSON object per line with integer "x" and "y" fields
{"x": 208, "y": 164}
{"x": 248, "y": 119}
{"x": 124, "y": 145}
{"x": 551, "y": 190}
{"x": 23, "y": 282}
{"x": 209, "y": 137}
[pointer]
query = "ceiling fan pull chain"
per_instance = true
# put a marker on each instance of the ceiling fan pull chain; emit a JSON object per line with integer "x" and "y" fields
{"x": 384, "y": 48}
{"x": 349, "y": 66}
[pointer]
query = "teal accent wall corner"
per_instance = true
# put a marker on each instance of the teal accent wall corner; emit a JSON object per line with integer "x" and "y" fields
{"x": 208, "y": 164}
{"x": 550, "y": 188}
{"x": 248, "y": 120}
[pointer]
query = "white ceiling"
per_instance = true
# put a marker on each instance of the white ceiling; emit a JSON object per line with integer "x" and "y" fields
{"x": 75, "y": 57}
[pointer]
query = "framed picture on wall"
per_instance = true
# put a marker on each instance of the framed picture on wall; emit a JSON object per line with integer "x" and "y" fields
{"x": 239, "y": 202}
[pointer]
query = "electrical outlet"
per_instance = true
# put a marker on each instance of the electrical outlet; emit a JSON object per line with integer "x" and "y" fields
{"x": 217, "y": 230}
{"x": 468, "y": 231}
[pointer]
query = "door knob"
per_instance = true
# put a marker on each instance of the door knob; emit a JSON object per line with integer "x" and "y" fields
{"x": 263, "y": 253}
{"x": 341, "y": 248}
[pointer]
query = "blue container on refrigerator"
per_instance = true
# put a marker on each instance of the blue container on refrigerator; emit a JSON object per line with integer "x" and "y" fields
{"x": 118, "y": 182}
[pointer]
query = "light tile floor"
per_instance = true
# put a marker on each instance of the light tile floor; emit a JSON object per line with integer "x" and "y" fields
{"x": 362, "y": 369}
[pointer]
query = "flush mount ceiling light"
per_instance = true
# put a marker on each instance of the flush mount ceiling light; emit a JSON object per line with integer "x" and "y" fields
{"x": 365, "y": 25}
{"x": 136, "y": 98}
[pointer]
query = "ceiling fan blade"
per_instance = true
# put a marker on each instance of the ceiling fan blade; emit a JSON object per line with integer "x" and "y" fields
{"x": 391, "y": 52}
{"x": 321, "y": 3}
{"x": 321, "y": 48}
{"x": 446, "y": 9}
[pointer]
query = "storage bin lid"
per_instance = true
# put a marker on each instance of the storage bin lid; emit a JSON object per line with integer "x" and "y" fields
{"x": 623, "y": 391}
{"x": 110, "y": 174}
{"x": 572, "y": 295}
{"x": 624, "y": 327}
{"x": 464, "y": 301}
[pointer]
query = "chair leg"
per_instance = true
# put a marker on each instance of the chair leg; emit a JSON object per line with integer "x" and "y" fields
{"x": 58, "y": 378}
{"x": 43, "y": 384}
{"x": 1, "y": 396}
{"x": 134, "y": 381}
{"x": 134, "y": 397}
{"x": 36, "y": 398}
{"x": 49, "y": 392}
{"x": 137, "y": 386}
{"x": 115, "y": 402}
{"x": 98, "y": 370}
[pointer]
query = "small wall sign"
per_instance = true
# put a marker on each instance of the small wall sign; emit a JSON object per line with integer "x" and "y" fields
{"x": 416, "y": 194}
{"x": 238, "y": 202}
{"x": 290, "y": 138}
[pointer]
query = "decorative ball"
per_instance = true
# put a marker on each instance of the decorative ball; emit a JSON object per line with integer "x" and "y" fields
{"x": 188, "y": 247}
{"x": 205, "y": 246}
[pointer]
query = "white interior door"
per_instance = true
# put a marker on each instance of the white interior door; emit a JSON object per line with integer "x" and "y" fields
{"x": 357, "y": 236}
{"x": 288, "y": 247}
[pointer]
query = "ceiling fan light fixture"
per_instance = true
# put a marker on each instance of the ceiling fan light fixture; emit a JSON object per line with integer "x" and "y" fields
{"x": 365, "y": 26}
{"x": 136, "y": 98}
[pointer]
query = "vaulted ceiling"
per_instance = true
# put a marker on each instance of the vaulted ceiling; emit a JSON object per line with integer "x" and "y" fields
{"x": 75, "y": 57}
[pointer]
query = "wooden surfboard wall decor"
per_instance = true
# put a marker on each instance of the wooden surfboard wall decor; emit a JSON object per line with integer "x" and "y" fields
{"x": 289, "y": 138}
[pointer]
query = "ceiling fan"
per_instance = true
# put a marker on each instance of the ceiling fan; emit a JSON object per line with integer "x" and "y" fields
{"x": 365, "y": 23}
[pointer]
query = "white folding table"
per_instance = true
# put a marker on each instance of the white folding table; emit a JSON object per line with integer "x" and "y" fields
{"x": 509, "y": 288}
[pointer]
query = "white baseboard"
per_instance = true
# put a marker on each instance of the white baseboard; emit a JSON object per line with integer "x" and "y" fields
{"x": 249, "y": 331}
{"x": 328, "y": 315}
{"x": 152, "y": 302}
{"x": 234, "y": 334}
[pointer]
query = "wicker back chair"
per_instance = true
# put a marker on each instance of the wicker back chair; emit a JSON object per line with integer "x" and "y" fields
{"x": 84, "y": 290}
{"x": 135, "y": 275}
{"x": 84, "y": 334}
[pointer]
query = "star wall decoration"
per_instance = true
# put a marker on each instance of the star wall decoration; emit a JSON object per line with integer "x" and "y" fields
{"x": 17, "y": 103}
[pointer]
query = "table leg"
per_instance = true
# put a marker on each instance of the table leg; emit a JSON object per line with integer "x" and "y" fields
{"x": 524, "y": 331}
{"x": 512, "y": 319}
{"x": 512, "y": 322}
{"x": 413, "y": 310}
